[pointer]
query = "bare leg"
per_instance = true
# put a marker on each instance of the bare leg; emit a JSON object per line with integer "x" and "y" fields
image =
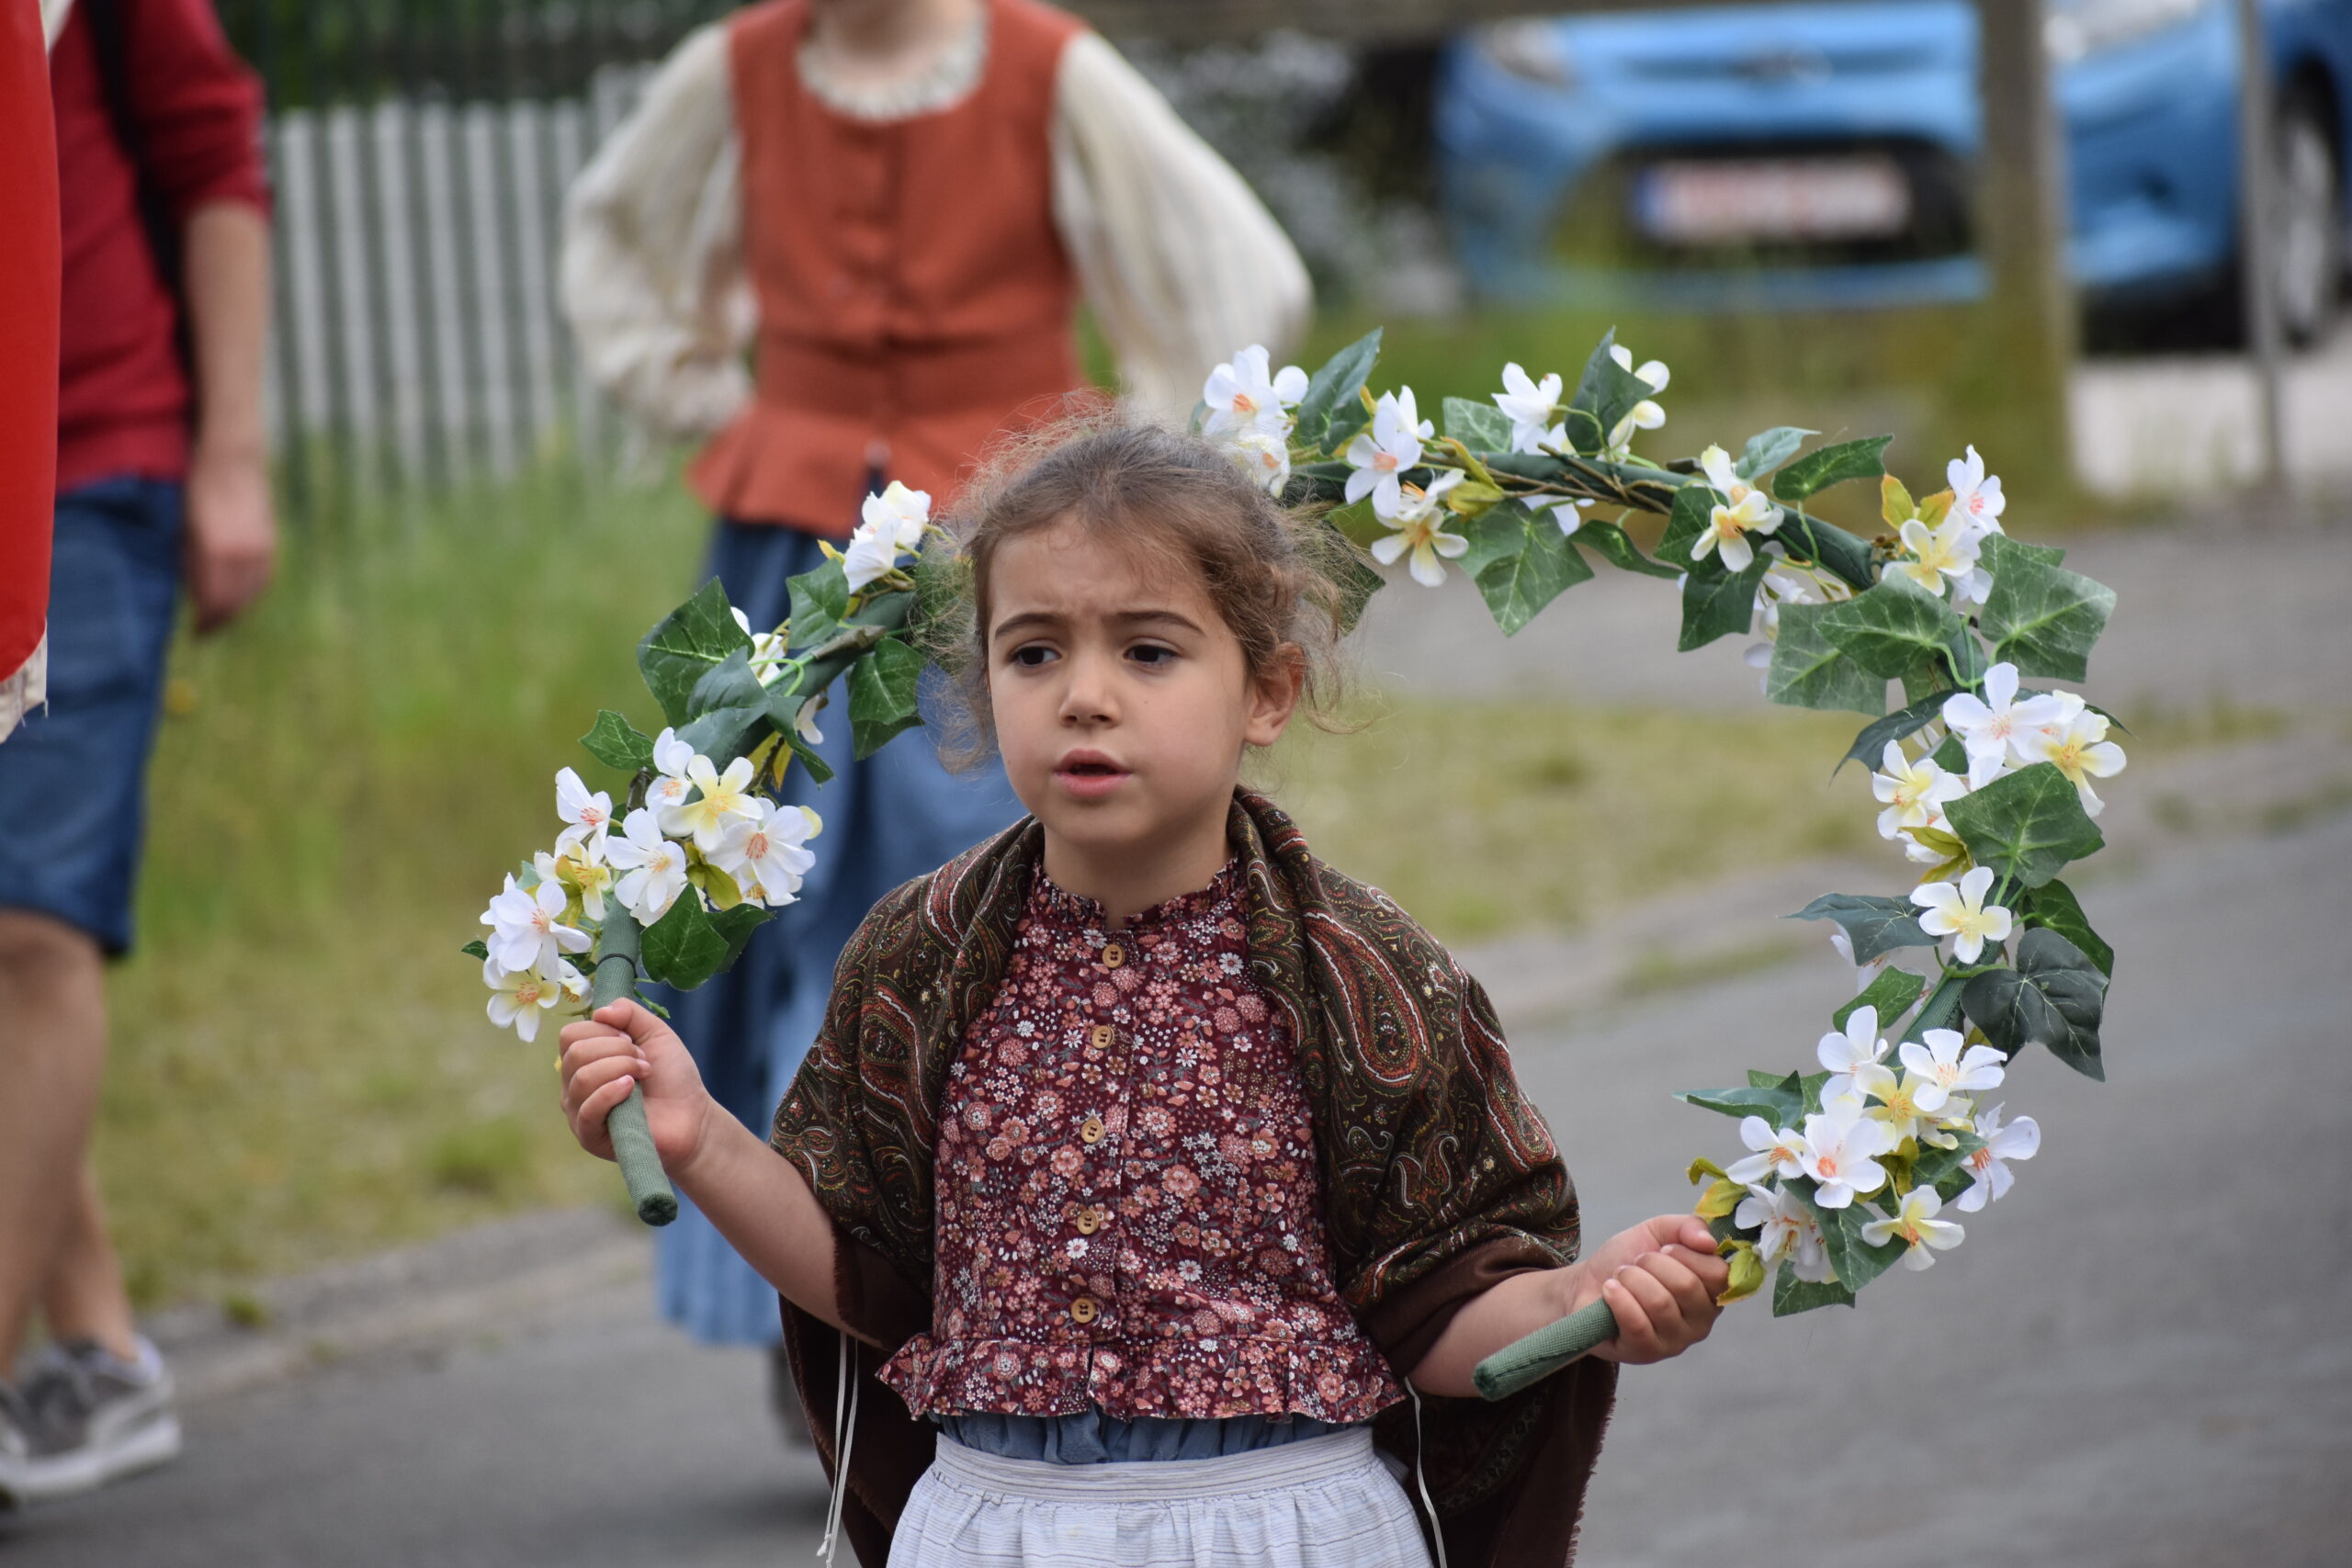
{"x": 53, "y": 1045}
{"x": 85, "y": 1299}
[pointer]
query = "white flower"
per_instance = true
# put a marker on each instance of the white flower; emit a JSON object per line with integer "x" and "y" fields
{"x": 1419, "y": 522}
{"x": 654, "y": 869}
{"x": 1243, "y": 394}
{"x": 1843, "y": 1053}
{"x": 1947, "y": 550}
{"x": 526, "y": 927}
{"x": 1989, "y": 1167}
{"x": 1961, "y": 914}
{"x": 585, "y": 817}
{"x": 1743, "y": 510}
{"x": 1529, "y": 406}
{"x": 1905, "y": 1102}
{"x": 890, "y": 525}
{"x": 1912, "y": 792}
{"x": 1915, "y": 1222}
{"x": 763, "y": 851}
{"x": 768, "y": 648}
{"x": 1789, "y": 1231}
{"x": 723, "y": 795}
{"x": 1264, "y": 454}
{"x": 1842, "y": 1148}
{"x": 2079, "y": 746}
{"x": 1997, "y": 724}
{"x": 1391, "y": 445}
{"x": 671, "y": 758}
{"x": 1568, "y": 514}
{"x": 1644, "y": 415}
{"x": 1946, "y": 1060}
{"x": 1843, "y": 946}
{"x": 1976, "y": 494}
{"x": 587, "y": 874}
{"x": 804, "y": 722}
{"x": 518, "y": 997}
{"x": 1778, "y": 1152}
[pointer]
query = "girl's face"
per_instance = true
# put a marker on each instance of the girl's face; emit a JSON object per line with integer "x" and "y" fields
{"x": 1122, "y": 700}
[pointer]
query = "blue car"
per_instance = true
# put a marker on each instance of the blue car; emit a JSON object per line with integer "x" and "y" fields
{"x": 1819, "y": 156}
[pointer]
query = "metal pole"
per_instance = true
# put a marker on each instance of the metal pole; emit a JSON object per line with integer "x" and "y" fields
{"x": 2257, "y": 240}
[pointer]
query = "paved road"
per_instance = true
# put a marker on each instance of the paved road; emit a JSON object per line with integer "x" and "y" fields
{"x": 2141, "y": 1357}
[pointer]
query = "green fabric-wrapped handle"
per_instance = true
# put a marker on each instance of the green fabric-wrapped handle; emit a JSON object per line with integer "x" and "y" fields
{"x": 1545, "y": 1351}
{"x": 648, "y": 1185}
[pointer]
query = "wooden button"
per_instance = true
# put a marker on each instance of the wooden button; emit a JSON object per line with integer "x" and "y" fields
{"x": 1088, "y": 1221}
{"x": 1113, "y": 955}
{"x": 1102, "y": 1034}
{"x": 1093, "y": 1130}
{"x": 1083, "y": 1310}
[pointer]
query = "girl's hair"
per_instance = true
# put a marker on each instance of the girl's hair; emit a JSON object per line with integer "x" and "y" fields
{"x": 1274, "y": 573}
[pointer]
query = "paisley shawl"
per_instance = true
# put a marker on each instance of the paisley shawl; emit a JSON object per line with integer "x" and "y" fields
{"x": 1439, "y": 1179}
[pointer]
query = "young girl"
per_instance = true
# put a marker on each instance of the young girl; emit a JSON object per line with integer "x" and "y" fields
{"x": 1157, "y": 1170}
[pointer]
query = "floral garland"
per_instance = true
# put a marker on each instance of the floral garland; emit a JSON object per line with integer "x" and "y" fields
{"x": 1987, "y": 788}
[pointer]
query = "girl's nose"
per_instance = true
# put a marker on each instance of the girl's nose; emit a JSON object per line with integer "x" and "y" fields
{"x": 1089, "y": 698}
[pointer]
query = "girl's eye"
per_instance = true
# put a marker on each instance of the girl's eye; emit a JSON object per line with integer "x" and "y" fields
{"x": 1151, "y": 654}
{"x": 1033, "y": 656}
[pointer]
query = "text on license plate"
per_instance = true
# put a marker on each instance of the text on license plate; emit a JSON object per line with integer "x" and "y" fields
{"x": 1727, "y": 201}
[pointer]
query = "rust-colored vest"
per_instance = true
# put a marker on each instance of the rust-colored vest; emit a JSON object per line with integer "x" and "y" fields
{"x": 913, "y": 293}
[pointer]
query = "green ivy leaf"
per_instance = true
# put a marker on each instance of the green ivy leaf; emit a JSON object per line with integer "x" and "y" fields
{"x": 2039, "y": 616}
{"x": 681, "y": 949}
{"x": 820, "y": 605}
{"x": 1809, "y": 671}
{"x": 784, "y": 709}
{"x": 690, "y": 641}
{"x": 1856, "y": 1261}
{"x": 728, "y": 703}
{"x": 615, "y": 742}
{"x": 1693, "y": 504}
{"x": 1338, "y": 383}
{"x": 734, "y": 928}
{"x": 2026, "y": 826}
{"x": 1941, "y": 1010}
{"x": 1613, "y": 545}
{"x": 1326, "y": 482}
{"x": 1781, "y": 1103}
{"x": 1826, "y": 466}
{"x": 1894, "y": 993}
{"x": 1895, "y": 628}
{"x": 1768, "y": 449}
{"x": 1720, "y": 605}
{"x": 1791, "y": 1295}
{"x": 1605, "y": 394}
{"x": 2054, "y": 907}
{"x": 1516, "y": 584}
{"x": 1870, "y": 746}
{"x": 883, "y": 694}
{"x": 1479, "y": 426}
{"x": 2055, "y": 998}
{"x": 1934, "y": 1163}
{"x": 1827, "y": 545}
{"x": 1874, "y": 925}
{"x": 475, "y": 949}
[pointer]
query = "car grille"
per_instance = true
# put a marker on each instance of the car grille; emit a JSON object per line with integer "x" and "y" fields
{"x": 1598, "y": 226}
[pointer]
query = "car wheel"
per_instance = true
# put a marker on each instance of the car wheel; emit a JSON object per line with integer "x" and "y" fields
{"x": 2307, "y": 220}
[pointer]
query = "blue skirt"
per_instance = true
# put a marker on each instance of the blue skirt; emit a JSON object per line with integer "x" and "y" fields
{"x": 895, "y": 815}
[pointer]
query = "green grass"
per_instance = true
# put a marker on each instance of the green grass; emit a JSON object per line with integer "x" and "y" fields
{"x": 300, "y": 1066}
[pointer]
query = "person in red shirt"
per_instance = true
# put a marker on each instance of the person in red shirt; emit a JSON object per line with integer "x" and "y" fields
{"x": 161, "y": 484}
{"x": 27, "y": 357}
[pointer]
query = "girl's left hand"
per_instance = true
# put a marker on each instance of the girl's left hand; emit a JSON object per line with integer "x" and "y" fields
{"x": 1661, "y": 1279}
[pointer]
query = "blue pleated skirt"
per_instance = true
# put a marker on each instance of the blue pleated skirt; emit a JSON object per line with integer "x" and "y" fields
{"x": 895, "y": 815}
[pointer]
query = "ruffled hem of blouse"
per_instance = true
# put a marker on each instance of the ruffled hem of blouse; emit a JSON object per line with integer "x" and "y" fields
{"x": 1050, "y": 901}
{"x": 1342, "y": 1385}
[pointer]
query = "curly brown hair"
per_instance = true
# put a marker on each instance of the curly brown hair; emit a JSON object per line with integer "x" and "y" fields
{"x": 1272, "y": 571}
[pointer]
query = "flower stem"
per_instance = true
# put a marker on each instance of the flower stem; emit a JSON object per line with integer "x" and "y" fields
{"x": 616, "y": 977}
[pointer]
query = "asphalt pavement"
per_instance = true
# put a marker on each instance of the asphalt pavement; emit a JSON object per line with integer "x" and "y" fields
{"x": 2140, "y": 1357}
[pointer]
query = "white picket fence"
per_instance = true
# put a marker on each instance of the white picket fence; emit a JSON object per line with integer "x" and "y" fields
{"x": 417, "y": 330}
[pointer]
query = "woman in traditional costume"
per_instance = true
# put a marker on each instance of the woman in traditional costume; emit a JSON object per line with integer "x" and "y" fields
{"x": 899, "y": 206}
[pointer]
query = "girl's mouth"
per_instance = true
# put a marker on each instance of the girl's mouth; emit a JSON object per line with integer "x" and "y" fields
{"x": 1088, "y": 775}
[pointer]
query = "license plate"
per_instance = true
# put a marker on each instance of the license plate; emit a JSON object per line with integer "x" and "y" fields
{"x": 1727, "y": 201}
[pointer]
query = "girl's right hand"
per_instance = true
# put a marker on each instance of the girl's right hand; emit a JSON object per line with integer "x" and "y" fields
{"x": 621, "y": 1046}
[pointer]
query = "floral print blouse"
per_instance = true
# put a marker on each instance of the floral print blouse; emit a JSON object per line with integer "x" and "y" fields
{"x": 1129, "y": 1216}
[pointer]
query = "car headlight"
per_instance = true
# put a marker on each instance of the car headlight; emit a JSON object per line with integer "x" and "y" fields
{"x": 1531, "y": 49}
{"x": 2077, "y": 28}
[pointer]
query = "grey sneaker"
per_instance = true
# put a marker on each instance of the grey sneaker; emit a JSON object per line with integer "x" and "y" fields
{"x": 16, "y": 1430}
{"x": 95, "y": 1418}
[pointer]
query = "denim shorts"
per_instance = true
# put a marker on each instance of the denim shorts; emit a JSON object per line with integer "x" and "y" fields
{"x": 72, "y": 779}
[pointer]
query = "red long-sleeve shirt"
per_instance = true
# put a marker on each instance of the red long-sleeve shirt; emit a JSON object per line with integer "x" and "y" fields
{"x": 122, "y": 393}
{"x": 28, "y": 335}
